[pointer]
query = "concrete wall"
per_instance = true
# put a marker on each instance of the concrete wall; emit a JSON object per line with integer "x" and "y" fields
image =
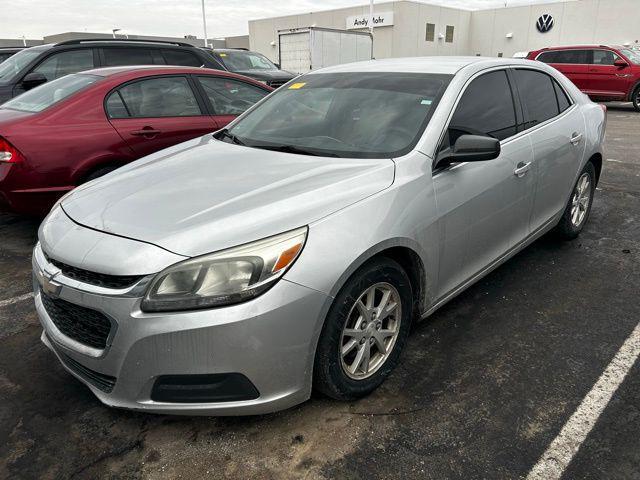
{"x": 481, "y": 32}
{"x": 240, "y": 41}
{"x": 17, "y": 42}
{"x": 405, "y": 38}
{"x": 575, "y": 22}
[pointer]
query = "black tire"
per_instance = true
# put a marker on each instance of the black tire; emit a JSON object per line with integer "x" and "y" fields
{"x": 329, "y": 375}
{"x": 636, "y": 99}
{"x": 100, "y": 172}
{"x": 567, "y": 229}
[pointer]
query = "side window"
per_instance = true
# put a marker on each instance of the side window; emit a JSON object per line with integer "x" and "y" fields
{"x": 116, "y": 107}
{"x": 179, "y": 57}
{"x": 63, "y": 63}
{"x": 154, "y": 97}
{"x": 230, "y": 97}
{"x": 538, "y": 96}
{"x": 604, "y": 57}
{"x": 116, "y": 57}
{"x": 580, "y": 57}
{"x": 563, "y": 100}
{"x": 486, "y": 108}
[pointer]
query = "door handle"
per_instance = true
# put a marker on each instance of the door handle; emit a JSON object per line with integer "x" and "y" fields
{"x": 522, "y": 169}
{"x": 147, "y": 132}
{"x": 575, "y": 138}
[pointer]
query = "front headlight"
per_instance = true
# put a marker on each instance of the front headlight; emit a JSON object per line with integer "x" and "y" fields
{"x": 226, "y": 277}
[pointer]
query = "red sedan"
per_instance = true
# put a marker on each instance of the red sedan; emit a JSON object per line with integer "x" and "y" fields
{"x": 82, "y": 126}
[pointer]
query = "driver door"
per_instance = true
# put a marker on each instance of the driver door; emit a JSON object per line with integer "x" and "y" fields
{"x": 483, "y": 206}
{"x": 227, "y": 97}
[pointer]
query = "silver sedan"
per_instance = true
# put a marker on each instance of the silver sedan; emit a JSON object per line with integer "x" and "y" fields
{"x": 234, "y": 273}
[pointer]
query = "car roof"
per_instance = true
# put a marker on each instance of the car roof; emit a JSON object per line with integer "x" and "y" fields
{"x": 580, "y": 47}
{"x": 437, "y": 65}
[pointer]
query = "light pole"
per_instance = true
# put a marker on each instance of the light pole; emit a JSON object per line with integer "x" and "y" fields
{"x": 371, "y": 17}
{"x": 114, "y": 31}
{"x": 204, "y": 23}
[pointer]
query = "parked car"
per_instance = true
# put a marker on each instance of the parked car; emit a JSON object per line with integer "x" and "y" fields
{"x": 232, "y": 273}
{"x": 6, "y": 52}
{"x": 83, "y": 125}
{"x": 251, "y": 64}
{"x": 605, "y": 73}
{"x": 36, "y": 65}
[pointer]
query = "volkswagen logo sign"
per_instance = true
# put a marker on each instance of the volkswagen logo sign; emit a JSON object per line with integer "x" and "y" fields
{"x": 544, "y": 23}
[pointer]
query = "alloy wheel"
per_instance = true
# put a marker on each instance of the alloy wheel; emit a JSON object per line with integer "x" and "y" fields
{"x": 580, "y": 200}
{"x": 371, "y": 330}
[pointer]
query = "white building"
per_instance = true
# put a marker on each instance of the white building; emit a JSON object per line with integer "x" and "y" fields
{"x": 412, "y": 28}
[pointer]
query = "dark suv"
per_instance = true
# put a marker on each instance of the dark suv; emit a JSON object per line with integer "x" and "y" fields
{"x": 6, "y": 52}
{"x": 36, "y": 65}
{"x": 605, "y": 73}
{"x": 251, "y": 64}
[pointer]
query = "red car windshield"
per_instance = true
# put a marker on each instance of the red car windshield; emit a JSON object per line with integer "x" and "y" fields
{"x": 52, "y": 92}
{"x": 632, "y": 55}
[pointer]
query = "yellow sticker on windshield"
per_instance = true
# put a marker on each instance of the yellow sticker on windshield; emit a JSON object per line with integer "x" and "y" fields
{"x": 223, "y": 54}
{"x": 296, "y": 86}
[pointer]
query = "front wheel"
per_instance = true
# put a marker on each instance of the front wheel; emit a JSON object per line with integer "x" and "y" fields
{"x": 578, "y": 208}
{"x": 365, "y": 331}
{"x": 636, "y": 99}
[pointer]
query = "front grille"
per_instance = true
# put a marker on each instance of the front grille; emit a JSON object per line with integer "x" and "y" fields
{"x": 84, "y": 325}
{"x": 99, "y": 380}
{"x": 94, "y": 278}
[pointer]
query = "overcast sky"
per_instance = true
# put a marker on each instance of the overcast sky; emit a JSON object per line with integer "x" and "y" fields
{"x": 37, "y": 18}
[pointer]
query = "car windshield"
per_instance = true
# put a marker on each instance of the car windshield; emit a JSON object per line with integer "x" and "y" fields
{"x": 362, "y": 115}
{"x": 241, "y": 60}
{"x": 13, "y": 65}
{"x": 52, "y": 92}
{"x": 632, "y": 55}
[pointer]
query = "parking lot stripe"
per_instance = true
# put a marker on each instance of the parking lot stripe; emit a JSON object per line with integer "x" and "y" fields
{"x": 557, "y": 457}
{"x": 11, "y": 301}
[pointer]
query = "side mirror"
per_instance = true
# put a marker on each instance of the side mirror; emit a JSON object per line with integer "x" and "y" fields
{"x": 470, "y": 148}
{"x": 620, "y": 63}
{"x": 32, "y": 80}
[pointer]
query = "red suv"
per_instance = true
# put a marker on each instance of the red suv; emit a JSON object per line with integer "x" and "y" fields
{"x": 605, "y": 73}
{"x": 81, "y": 126}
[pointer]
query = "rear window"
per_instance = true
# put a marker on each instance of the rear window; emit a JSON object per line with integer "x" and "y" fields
{"x": 50, "y": 93}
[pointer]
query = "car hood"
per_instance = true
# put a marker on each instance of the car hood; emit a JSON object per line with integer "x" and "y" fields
{"x": 206, "y": 195}
{"x": 267, "y": 75}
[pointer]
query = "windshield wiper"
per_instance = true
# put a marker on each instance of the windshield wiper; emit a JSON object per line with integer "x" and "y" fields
{"x": 294, "y": 149}
{"x": 224, "y": 133}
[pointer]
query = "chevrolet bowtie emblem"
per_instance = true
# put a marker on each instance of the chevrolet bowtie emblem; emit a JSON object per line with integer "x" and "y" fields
{"x": 47, "y": 284}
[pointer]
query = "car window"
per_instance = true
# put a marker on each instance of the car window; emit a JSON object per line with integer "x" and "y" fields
{"x": 154, "y": 97}
{"x": 604, "y": 57}
{"x": 346, "y": 114}
{"x": 179, "y": 57}
{"x": 538, "y": 96}
{"x": 45, "y": 95}
{"x": 116, "y": 57}
{"x": 4, "y": 56}
{"x": 632, "y": 55}
{"x": 580, "y": 57}
{"x": 63, "y": 63}
{"x": 486, "y": 108}
{"x": 241, "y": 60}
{"x": 16, "y": 63}
{"x": 563, "y": 100}
{"x": 230, "y": 97}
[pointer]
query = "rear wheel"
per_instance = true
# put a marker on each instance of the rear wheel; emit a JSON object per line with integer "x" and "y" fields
{"x": 100, "y": 172}
{"x": 365, "y": 331}
{"x": 578, "y": 208}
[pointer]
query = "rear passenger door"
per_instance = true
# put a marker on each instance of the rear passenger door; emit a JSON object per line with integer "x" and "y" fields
{"x": 227, "y": 97}
{"x": 154, "y": 113}
{"x": 556, "y": 129}
{"x": 573, "y": 63}
{"x": 484, "y": 207}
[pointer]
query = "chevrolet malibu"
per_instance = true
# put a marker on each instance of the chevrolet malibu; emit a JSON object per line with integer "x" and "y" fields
{"x": 236, "y": 272}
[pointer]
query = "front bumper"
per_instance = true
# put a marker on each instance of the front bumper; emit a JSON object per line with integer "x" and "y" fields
{"x": 270, "y": 340}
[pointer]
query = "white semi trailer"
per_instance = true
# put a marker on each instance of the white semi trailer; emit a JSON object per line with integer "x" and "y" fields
{"x": 304, "y": 49}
